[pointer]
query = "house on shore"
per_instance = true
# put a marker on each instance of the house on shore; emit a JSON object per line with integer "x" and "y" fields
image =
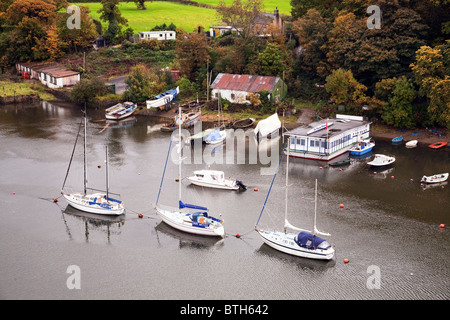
{"x": 327, "y": 139}
{"x": 237, "y": 88}
{"x": 52, "y": 75}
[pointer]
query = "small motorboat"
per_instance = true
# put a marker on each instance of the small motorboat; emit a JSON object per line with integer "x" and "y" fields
{"x": 381, "y": 160}
{"x": 397, "y": 139}
{"x": 437, "y": 145}
{"x": 436, "y": 178}
{"x": 362, "y": 147}
{"x": 120, "y": 111}
{"x": 411, "y": 144}
{"x": 216, "y": 136}
{"x": 215, "y": 179}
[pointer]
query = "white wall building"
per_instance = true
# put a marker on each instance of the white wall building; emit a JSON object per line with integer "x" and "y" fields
{"x": 327, "y": 139}
{"x": 158, "y": 35}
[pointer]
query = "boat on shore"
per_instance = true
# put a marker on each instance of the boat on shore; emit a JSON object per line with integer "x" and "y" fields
{"x": 436, "y": 178}
{"x": 411, "y": 144}
{"x": 437, "y": 145}
{"x": 243, "y": 123}
{"x": 268, "y": 127}
{"x": 398, "y": 139}
{"x": 381, "y": 160}
{"x": 163, "y": 100}
{"x": 120, "y": 111}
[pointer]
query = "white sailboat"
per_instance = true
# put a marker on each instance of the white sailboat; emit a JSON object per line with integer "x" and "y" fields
{"x": 304, "y": 244}
{"x": 182, "y": 217}
{"x": 97, "y": 202}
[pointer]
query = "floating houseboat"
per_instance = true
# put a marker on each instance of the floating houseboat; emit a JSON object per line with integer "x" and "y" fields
{"x": 327, "y": 139}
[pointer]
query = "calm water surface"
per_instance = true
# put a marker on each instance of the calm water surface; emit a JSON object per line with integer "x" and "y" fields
{"x": 388, "y": 221}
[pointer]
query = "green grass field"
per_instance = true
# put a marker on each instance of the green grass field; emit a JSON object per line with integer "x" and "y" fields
{"x": 183, "y": 16}
{"x": 159, "y": 12}
{"x": 284, "y": 6}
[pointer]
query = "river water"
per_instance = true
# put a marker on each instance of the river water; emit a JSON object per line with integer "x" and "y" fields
{"x": 389, "y": 228}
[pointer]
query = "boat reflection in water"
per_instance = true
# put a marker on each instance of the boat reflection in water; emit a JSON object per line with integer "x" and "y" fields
{"x": 107, "y": 224}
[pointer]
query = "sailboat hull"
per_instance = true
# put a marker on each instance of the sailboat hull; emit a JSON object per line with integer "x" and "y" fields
{"x": 182, "y": 222}
{"x": 284, "y": 242}
{"x": 95, "y": 203}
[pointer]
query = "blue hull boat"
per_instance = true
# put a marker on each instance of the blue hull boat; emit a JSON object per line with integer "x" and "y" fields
{"x": 397, "y": 139}
{"x": 361, "y": 148}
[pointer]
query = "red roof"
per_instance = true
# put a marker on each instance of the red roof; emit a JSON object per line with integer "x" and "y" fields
{"x": 244, "y": 82}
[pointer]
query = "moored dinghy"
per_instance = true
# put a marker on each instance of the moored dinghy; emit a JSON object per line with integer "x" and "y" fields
{"x": 381, "y": 160}
{"x": 436, "y": 178}
{"x": 411, "y": 144}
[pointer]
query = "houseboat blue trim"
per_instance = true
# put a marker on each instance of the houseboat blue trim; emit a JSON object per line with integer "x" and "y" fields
{"x": 328, "y": 142}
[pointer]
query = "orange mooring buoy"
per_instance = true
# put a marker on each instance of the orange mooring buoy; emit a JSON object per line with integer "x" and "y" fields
{"x": 140, "y": 215}
{"x": 341, "y": 206}
{"x": 255, "y": 189}
{"x": 345, "y": 260}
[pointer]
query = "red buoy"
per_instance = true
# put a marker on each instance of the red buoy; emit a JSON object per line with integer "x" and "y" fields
{"x": 341, "y": 206}
{"x": 255, "y": 189}
{"x": 238, "y": 235}
{"x": 345, "y": 260}
{"x": 177, "y": 180}
{"x": 442, "y": 225}
{"x": 55, "y": 200}
{"x": 140, "y": 215}
{"x": 99, "y": 166}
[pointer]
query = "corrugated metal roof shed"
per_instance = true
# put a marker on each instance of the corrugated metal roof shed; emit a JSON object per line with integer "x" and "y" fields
{"x": 246, "y": 83}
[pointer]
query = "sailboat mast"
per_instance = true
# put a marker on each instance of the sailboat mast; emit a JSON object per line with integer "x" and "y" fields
{"x": 315, "y": 208}
{"x": 84, "y": 149}
{"x": 287, "y": 183}
{"x": 107, "y": 175}
{"x": 179, "y": 153}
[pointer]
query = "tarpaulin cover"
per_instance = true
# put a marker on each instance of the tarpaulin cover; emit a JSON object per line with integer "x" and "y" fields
{"x": 310, "y": 241}
{"x": 214, "y": 135}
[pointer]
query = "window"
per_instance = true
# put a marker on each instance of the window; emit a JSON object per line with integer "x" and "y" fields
{"x": 232, "y": 96}
{"x": 311, "y": 143}
{"x": 302, "y": 142}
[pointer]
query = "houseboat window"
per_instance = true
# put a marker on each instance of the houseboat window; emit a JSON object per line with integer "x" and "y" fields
{"x": 311, "y": 143}
{"x": 298, "y": 141}
{"x": 324, "y": 144}
{"x": 302, "y": 142}
{"x": 317, "y": 143}
{"x": 292, "y": 140}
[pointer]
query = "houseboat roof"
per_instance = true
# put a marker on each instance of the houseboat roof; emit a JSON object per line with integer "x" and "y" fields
{"x": 244, "y": 82}
{"x": 336, "y": 126}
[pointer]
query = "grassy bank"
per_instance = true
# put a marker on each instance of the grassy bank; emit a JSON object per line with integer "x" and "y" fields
{"x": 9, "y": 89}
{"x": 284, "y": 6}
{"x": 159, "y": 12}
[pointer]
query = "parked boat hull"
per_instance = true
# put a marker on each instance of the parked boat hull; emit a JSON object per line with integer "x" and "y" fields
{"x": 88, "y": 203}
{"x": 437, "y": 178}
{"x": 180, "y": 221}
{"x": 228, "y": 184}
{"x": 284, "y": 242}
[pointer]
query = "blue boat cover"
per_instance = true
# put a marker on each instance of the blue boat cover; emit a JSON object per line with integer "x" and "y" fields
{"x": 310, "y": 241}
{"x": 214, "y": 135}
{"x": 191, "y": 206}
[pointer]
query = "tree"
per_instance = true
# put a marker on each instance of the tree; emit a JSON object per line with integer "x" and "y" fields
{"x": 269, "y": 62}
{"x": 87, "y": 90}
{"x": 192, "y": 54}
{"x": 312, "y": 32}
{"x": 142, "y": 83}
{"x": 399, "y": 111}
{"x": 243, "y": 16}
{"x": 77, "y": 39}
{"x": 439, "y": 107}
{"x": 112, "y": 15}
{"x": 140, "y": 4}
{"x": 344, "y": 89}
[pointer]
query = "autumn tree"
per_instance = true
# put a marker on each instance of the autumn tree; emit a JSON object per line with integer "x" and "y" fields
{"x": 143, "y": 83}
{"x": 344, "y": 89}
{"x": 269, "y": 62}
{"x": 75, "y": 40}
{"x": 192, "y": 54}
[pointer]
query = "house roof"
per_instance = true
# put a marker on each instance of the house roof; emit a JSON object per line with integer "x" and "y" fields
{"x": 52, "y": 69}
{"x": 245, "y": 82}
